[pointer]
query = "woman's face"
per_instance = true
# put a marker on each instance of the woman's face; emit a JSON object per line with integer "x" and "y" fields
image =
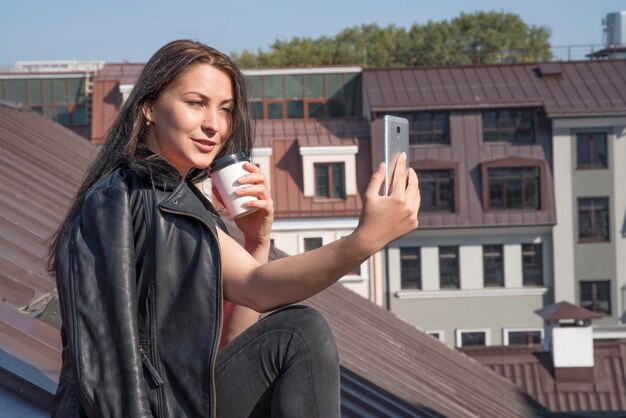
{"x": 190, "y": 121}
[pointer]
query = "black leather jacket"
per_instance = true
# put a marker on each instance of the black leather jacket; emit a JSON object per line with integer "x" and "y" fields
{"x": 140, "y": 289}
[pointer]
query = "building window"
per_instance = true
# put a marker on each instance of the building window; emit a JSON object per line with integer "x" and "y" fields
{"x": 493, "y": 265}
{"x": 428, "y": 128}
{"x": 312, "y": 243}
{"x": 513, "y": 188}
{"x": 469, "y": 338}
{"x": 410, "y": 268}
{"x": 529, "y": 337}
{"x": 437, "y": 190}
{"x": 591, "y": 150}
{"x": 449, "y": 277}
{"x": 305, "y": 96}
{"x": 508, "y": 125}
{"x": 532, "y": 264}
{"x": 596, "y": 296}
{"x": 436, "y": 334}
{"x": 330, "y": 180}
{"x": 593, "y": 219}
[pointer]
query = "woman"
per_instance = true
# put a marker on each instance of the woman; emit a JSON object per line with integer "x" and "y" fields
{"x": 144, "y": 265}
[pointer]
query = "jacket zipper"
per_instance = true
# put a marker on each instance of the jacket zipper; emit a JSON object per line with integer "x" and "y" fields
{"x": 156, "y": 377}
{"x": 219, "y": 308}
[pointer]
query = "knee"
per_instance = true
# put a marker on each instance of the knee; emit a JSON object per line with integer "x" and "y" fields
{"x": 312, "y": 328}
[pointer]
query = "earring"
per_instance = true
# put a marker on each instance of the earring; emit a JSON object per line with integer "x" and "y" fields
{"x": 147, "y": 123}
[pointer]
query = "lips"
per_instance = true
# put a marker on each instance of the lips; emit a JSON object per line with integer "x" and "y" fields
{"x": 204, "y": 145}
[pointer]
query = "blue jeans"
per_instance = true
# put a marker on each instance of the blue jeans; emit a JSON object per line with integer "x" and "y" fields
{"x": 285, "y": 365}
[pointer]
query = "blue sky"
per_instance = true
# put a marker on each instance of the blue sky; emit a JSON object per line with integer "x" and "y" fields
{"x": 117, "y": 30}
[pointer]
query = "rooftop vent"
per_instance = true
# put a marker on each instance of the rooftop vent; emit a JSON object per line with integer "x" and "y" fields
{"x": 549, "y": 69}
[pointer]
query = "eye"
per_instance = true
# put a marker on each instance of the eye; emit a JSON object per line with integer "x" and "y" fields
{"x": 226, "y": 109}
{"x": 196, "y": 103}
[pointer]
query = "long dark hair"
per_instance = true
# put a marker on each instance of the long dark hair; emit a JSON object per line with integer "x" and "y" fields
{"x": 126, "y": 137}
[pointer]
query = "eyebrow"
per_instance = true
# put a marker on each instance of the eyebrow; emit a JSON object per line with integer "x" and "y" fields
{"x": 206, "y": 98}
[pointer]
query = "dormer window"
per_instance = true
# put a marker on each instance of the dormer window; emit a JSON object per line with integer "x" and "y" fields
{"x": 329, "y": 172}
{"x": 508, "y": 125}
{"x": 330, "y": 180}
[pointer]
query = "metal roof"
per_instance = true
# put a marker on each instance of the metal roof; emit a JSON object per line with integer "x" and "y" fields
{"x": 578, "y": 88}
{"x": 565, "y": 310}
{"x": 311, "y": 132}
{"x": 532, "y": 370}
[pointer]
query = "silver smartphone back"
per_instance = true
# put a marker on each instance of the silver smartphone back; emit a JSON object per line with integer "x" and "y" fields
{"x": 396, "y": 142}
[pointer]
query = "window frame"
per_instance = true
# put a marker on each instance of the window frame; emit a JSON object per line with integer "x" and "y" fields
{"x": 589, "y": 136}
{"x": 418, "y": 268}
{"x": 329, "y": 185}
{"x": 506, "y": 336}
{"x": 496, "y": 284}
{"x": 456, "y": 256}
{"x": 415, "y": 133}
{"x": 524, "y": 270}
{"x": 498, "y": 129}
{"x": 511, "y": 163}
{"x": 593, "y": 210}
{"x": 437, "y": 189}
{"x": 595, "y": 284}
{"x": 459, "y": 336}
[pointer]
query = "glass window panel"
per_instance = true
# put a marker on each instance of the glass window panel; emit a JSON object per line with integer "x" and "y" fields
{"x": 514, "y": 194}
{"x": 506, "y": 119}
{"x": 60, "y": 91}
{"x": 338, "y": 181}
{"x": 2, "y": 89}
{"x": 34, "y": 92}
{"x": 490, "y": 120}
{"x": 473, "y": 338}
{"x": 255, "y": 87}
{"x": 532, "y": 264}
{"x": 16, "y": 91}
{"x": 316, "y": 110}
{"x": 273, "y": 86}
{"x": 47, "y": 91}
{"x": 315, "y": 85}
{"x": 410, "y": 270}
{"x": 524, "y": 337}
{"x": 312, "y": 243}
{"x": 599, "y": 150}
{"x": 256, "y": 109}
{"x": 596, "y": 296}
{"x": 79, "y": 116}
{"x": 531, "y": 193}
{"x": 493, "y": 265}
{"x": 524, "y": 135}
{"x": 335, "y": 85}
{"x": 321, "y": 180}
{"x": 449, "y": 267}
{"x": 351, "y": 107}
{"x": 490, "y": 136}
{"x": 294, "y": 86}
{"x": 38, "y": 109}
{"x": 352, "y": 85}
{"x": 48, "y": 111}
{"x": 336, "y": 108}
{"x": 496, "y": 192}
{"x": 77, "y": 90}
{"x": 61, "y": 115}
{"x": 274, "y": 110}
{"x": 295, "y": 109}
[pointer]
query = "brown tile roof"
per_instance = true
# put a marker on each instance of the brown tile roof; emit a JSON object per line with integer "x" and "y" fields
{"x": 565, "y": 310}
{"x": 532, "y": 370}
{"x": 566, "y": 88}
{"x": 388, "y": 367}
{"x": 311, "y": 132}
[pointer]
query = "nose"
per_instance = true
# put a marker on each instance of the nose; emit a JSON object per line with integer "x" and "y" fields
{"x": 212, "y": 122}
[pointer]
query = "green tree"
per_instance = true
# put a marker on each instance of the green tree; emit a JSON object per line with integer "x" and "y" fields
{"x": 471, "y": 38}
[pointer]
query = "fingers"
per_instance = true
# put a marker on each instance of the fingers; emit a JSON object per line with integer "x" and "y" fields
{"x": 376, "y": 181}
{"x": 412, "y": 189}
{"x": 398, "y": 183}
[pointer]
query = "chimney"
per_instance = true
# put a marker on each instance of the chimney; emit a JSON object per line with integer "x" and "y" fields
{"x": 569, "y": 338}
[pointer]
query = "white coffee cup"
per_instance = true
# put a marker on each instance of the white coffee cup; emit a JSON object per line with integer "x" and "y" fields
{"x": 225, "y": 173}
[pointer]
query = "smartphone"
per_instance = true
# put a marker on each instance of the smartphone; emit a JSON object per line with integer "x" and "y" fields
{"x": 396, "y": 142}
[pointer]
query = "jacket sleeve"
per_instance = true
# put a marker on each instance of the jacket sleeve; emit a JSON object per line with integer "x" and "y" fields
{"x": 100, "y": 307}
